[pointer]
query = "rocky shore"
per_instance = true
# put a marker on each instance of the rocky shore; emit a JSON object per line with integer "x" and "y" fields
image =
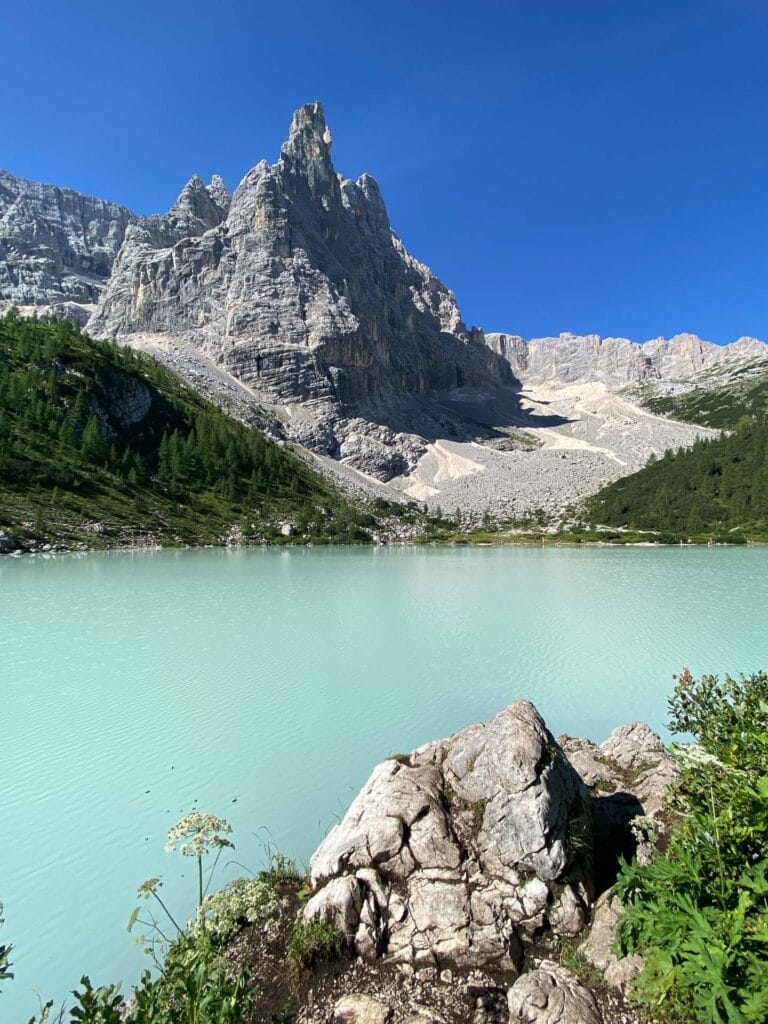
{"x": 470, "y": 880}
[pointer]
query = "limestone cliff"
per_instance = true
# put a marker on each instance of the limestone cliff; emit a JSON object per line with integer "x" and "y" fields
{"x": 618, "y": 362}
{"x": 300, "y": 288}
{"x": 57, "y": 246}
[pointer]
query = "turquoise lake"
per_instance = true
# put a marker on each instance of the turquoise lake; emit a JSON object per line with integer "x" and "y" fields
{"x": 264, "y": 685}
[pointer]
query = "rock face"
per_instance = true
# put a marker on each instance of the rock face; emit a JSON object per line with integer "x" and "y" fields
{"x": 300, "y": 288}
{"x": 598, "y": 945}
{"x": 618, "y": 362}
{"x": 57, "y": 246}
{"x": 456, "y": 853}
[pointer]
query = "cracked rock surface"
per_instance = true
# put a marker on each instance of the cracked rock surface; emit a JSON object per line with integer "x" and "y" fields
{"x": 57, "y": 246}
{"x": 461, "y": 867}
{"x": 454, "y": 854}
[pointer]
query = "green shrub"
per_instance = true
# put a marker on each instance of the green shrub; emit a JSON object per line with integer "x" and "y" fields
{"x": 698, "y": 914}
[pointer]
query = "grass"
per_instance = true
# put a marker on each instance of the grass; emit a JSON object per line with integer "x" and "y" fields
{"x": 311, "y": 943}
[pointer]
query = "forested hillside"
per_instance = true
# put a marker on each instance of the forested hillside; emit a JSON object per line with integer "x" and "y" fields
{"x": 101, "y": 444}
{"x": 719, "y": 487}
{"x": 722, "y": 405}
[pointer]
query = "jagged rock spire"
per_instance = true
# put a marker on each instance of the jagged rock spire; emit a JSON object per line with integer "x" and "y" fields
{"x": 304, "y": 292}
{"x": 306, "y": 156}
{"x": 219, "y": 192}
{"x": 195, "y": 211}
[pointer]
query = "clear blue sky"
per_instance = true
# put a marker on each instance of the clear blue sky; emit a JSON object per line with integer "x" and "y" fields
{"x": 582, "y": 165}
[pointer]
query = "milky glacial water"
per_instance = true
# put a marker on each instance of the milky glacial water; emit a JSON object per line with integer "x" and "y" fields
{"x": 264, "y": 685}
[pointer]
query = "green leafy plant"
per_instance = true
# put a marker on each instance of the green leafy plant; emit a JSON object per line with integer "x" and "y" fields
{"x": 698, "y": 913}
{"x": 198, "y": 983}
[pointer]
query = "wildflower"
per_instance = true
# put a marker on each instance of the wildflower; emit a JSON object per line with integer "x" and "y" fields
{"x": 645, "y": 829}
{"x": 148, "y": 888}
{"x": 691, "y": 755}
{"x": 196, "y": 833}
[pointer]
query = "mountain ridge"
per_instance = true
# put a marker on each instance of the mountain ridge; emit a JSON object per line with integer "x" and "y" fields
{"x": 573, "y": 358}
{"x": 57, "y": 246}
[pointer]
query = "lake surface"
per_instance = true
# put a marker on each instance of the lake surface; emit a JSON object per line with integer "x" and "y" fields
{"x": 264, "y": 685}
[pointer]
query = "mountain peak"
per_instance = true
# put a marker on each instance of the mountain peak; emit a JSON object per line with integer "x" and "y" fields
{"x": 307, "y": 153}
{"x": 196, "y": 210}
{"x": 219, "y": 192}
{"x": 309, "y": 123}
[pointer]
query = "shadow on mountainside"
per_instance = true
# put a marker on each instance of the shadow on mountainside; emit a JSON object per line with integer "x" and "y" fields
{"x": 461, "y": 415}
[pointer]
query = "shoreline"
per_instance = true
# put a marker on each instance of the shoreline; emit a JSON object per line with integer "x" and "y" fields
{"x": 501, "y": 542}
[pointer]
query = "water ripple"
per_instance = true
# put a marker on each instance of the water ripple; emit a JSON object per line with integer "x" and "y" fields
{"x": 264, "y": 685}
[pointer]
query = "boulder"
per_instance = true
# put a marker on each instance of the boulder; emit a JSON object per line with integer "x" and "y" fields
{"x": 629, "y": 776}
{"x": 462, "y": 849}
{"x": 551, "y": 995}
{"x": 8, "y": 543}
{"x": 339, "y": 903}
{"x": 361, "y": 1009}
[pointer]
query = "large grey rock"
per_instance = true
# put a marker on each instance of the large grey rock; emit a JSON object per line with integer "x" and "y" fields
{"x": 463, "y": 848}
{"x": 632, "y": 760}
{"x": 302, "y": 290}
{"x": 551, "y": 995}
{"x": 57, "y": 246}
{"x": 639, "y": 761}
{"x": 629, "y": 776}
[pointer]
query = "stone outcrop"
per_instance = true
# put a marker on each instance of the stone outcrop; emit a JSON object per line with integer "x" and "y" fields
{"x": 618, "y": 362}
{"x": 461, "y": 878}
{"x": 300, "y": 288}
{"x": 57, "y": 246}
{"x": 459, "y": 851}
{"x": 631, "y": 760}
{"x": 459, "y": 863}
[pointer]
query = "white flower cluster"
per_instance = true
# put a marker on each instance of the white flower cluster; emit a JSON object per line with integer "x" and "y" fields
{"x": 196, "y": 833}
{"x": 149, "y": 888}
{"x": 690, "y": 755}
{"x": 646, "y": 829}
{"x": 245, "y": 900}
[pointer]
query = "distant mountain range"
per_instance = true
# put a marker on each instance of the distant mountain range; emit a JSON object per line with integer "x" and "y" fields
{"x": 295, "y": 305}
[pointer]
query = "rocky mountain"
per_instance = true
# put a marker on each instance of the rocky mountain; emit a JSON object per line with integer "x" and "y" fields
{"x": 295, "y": 306}
{"x": 57, "y": 246}
{"x": 300, "y": 288}
{"x": 682, "y": 361}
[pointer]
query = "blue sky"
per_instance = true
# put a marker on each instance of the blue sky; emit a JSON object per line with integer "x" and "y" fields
{"x": 584, "y": 165}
